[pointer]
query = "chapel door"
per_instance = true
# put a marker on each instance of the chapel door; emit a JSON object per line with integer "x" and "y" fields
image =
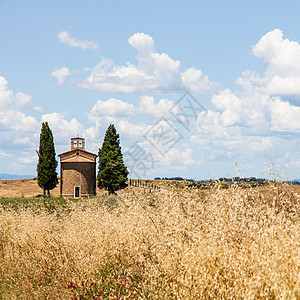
{"x": 77, "y": 192}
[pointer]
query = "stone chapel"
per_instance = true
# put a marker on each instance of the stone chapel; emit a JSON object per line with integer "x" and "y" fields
{"x": 77, "y": 171}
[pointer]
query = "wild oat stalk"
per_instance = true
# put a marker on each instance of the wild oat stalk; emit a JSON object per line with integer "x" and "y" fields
{"x": 230, "y": 244}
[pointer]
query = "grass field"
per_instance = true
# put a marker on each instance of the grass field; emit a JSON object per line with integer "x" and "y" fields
{"x": 175, "y": 243}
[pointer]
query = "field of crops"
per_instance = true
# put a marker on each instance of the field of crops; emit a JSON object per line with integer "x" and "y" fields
{"x": 173, "y": 243}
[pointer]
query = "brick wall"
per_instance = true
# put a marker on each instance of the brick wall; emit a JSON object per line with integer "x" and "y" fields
{"x": 81, "y": 174}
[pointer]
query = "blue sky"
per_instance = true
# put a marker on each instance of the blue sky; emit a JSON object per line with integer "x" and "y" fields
{"x": 81, "y": 65}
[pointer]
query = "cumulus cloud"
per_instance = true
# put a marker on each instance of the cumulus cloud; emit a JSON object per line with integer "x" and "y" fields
{"x": 113, "y": 107}
{"x": 154, "y": 72}
{"x": 142, "y": 42}
{"x": 176, "y": 155}
{"x": 19, "y": 130}
{"x": 244, "y": 126}
{"x": 131, "y": 130}
{"x": 11, "y": 116}
{"x": 65, "y": 38}
{"x": 239, "y": 126}
{"x": 23, "y": 100}
{"x": 147, "y": 106}
{"x": 194, "y": 80}
{"x": 261, "y": 117}
{"x": 232, "y": 143}
{"x": 230, "y": 105}
{"x": 281, "y": 60}
{"x": 62, "y": 128}
{"x": 5, "y": 93}
{"x": 15, "y": 101}
{"x": 280, "y": 56}
{"x": 116, "y": 111}
{"x": 60, "y": 74}
{"x": 263, "y": 105}
{"x": 284, "y": 116}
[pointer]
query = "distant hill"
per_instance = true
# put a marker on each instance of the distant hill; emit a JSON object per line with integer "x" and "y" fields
{"x": 253, "y": 181}
{"x": 5, "y": 176}
{"x": 221, "y": 179}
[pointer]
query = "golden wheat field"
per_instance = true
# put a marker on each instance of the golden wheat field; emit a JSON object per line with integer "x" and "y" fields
{"x": 173, "y": 243}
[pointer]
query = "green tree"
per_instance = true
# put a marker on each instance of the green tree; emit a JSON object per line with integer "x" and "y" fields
{"x": 46, "y": 168}
{"x": 112, "y": 174}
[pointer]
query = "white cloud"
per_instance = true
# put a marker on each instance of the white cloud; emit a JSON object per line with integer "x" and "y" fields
{"x": 147, "y": 106}
{"x": 217, "y": 142}
{"x": 65, "y": 38}
{"x": 24, "y": 123}
{"x": 284, "y": 86}
{"x": 240, "y": 126}
{"x": 179, "y": 157}
{"x": 131, "y": 130}
{"x": 23, "y": 100}
{"x": 5, "y": 94}
{"x": 280, "y": 56}
{"x": 15, "y": 101}
{"x": 113, "y": 107}
{"x": 154, "y": 72}
{"x": 230, "y": 105}
{"x": 244, "y": 126}
{"x": 284, "y": 116}
{"x": 261, "y": 118}
{"x": 11, "y": 116}
{"x": 256, "y": 109}
{"x": 281, "y": 59}
{"x": 61, "y": 128}
{"x": 19, "y": 130}
{"x": 194, "y": 80}
{"x": 109, "y": 78}
{"x": 17, "y": 121}
{"x": 60, "y": 75}
{"x": 142, "y": 42}
{"x": 116, "y": 111}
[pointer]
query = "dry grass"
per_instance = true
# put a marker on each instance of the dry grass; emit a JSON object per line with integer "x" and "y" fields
{"x": 23, "y": 188}
{"x": 180, "y": 244}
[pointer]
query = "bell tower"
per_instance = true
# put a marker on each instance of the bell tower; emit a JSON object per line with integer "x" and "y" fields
{"x": 77, "y": 143}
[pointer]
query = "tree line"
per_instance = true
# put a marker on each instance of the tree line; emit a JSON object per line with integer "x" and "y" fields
{"x": 112, "y": 172}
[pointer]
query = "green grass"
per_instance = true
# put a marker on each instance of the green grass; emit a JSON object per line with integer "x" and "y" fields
{"x": 50, "y": 203}
{"x": 57, "y": 204}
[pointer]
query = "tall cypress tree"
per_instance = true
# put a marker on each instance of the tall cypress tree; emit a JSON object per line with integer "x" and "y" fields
{"x": 112, "y": 174}
{"x": 46, "y": 168}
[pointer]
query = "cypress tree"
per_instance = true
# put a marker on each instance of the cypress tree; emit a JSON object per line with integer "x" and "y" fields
{"x": 112, "y": 174}
{"x": 46, "y": 168}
